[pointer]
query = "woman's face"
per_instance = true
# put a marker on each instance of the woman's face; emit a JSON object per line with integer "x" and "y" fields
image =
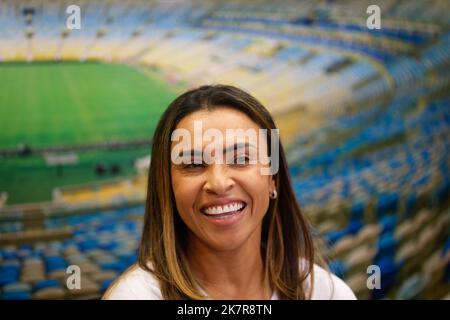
{"x": 222, "y": 204}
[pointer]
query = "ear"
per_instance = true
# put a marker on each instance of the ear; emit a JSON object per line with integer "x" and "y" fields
{"x": 272, "y": 184}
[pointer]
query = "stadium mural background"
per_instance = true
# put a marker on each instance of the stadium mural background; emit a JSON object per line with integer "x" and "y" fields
{"x": 361, "y": 98}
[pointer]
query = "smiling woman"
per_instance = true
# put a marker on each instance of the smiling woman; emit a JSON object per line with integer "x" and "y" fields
{"x": 223, "y": 230}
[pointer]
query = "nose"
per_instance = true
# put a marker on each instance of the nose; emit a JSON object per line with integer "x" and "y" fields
{"x": 218, "y": 180}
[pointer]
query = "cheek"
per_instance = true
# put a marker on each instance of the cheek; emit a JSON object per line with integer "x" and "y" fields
{"x": 185, "y": 191}
{"x": 257, "y": 187}
{"x": 262, "y": 201}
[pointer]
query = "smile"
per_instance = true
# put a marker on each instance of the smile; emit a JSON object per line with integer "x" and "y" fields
{"x": 224, "y": 210}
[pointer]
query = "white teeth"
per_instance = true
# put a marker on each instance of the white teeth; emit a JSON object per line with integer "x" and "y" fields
{"x": 224, "y": 209}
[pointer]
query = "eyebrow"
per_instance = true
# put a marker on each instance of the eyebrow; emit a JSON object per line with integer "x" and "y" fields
{"x": 234, "y": 147}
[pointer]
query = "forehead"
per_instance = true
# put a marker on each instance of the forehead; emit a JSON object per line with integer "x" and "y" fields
{"x": 220, "y": 118}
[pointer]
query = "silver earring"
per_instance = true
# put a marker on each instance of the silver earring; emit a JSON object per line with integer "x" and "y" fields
{"x": 274, "y": 194}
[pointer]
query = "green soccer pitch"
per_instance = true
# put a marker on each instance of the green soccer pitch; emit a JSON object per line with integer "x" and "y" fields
{"x": 68, "y": 103}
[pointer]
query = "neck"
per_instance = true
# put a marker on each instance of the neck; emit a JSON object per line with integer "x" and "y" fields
{"x": 231, "y": 274}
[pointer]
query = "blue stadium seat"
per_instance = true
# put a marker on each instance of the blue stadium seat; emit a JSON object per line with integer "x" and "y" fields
{"x": 17, "y": 291}
{"x": 49, "y": 283}
{"x": 388, "y": 223}
{"x": 389, "y": 269}
{"x": 9, "y": 272}
{"x": 387, "y": 244}
{"x": 338, "y": 268}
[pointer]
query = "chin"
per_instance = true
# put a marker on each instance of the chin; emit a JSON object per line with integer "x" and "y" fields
{"x": 228, "y": 243}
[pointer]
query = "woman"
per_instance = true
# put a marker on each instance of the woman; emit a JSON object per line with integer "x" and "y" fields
{"x": 222, "y": 230}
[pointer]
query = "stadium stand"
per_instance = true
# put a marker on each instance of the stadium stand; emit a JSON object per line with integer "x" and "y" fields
{"x": 364, "y": 114}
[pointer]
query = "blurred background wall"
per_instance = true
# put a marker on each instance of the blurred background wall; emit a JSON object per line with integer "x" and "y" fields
{"x": 364, "y": 115}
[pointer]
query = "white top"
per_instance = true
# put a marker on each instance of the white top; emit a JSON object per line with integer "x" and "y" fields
{"x": 138, "y": 284}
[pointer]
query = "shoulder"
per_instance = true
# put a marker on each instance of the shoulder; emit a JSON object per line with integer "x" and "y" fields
{"x": 327, "y": 286}
{"x": 139, "y": 284}
{"x": 134, "y": 284}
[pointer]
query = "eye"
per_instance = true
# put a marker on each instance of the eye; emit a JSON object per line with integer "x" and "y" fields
{"x": 241, "y": 160}
{"x": 193, "y": 166}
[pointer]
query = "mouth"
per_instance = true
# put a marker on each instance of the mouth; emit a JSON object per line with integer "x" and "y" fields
{"x": 224, "y": 211}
